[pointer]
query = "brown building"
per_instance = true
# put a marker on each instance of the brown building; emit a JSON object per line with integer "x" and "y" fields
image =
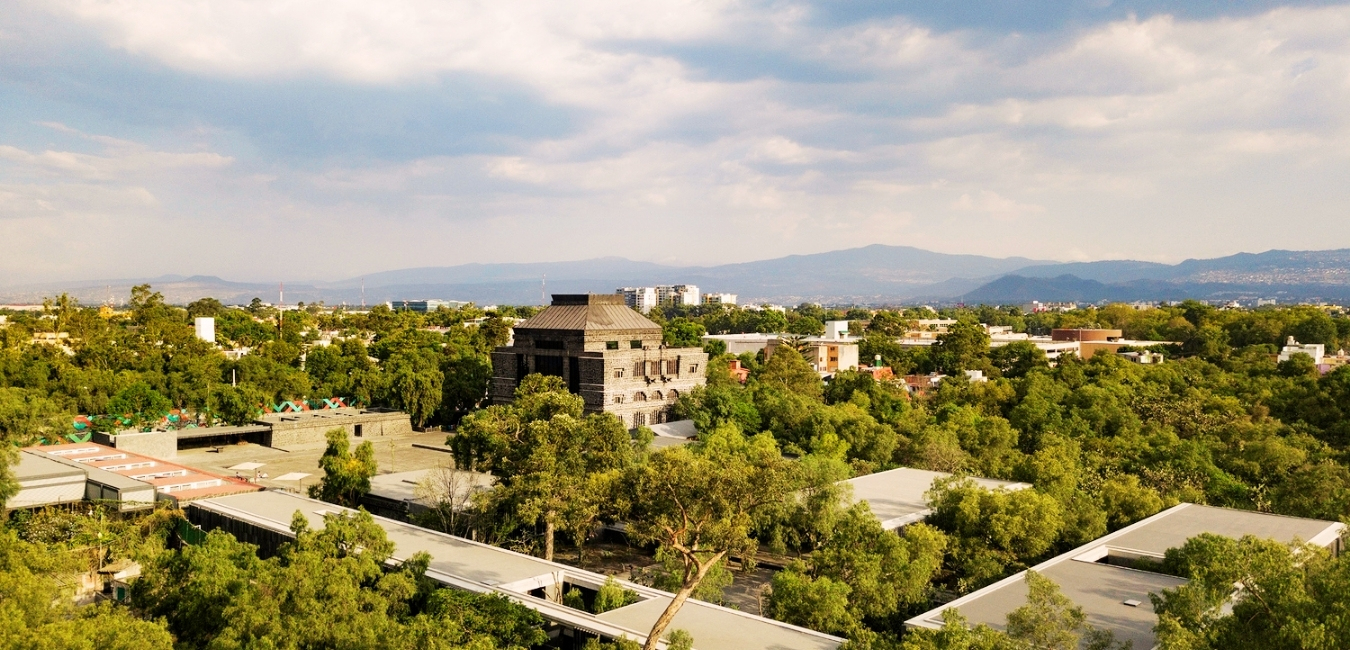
{"x": 607, "y": 353}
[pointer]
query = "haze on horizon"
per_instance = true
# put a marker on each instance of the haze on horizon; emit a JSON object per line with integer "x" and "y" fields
{"x": 322, "y": 140}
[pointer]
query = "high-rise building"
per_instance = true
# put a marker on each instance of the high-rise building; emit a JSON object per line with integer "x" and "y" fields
{"x": 680, "y": 295}
{"x": 639, "y": 298}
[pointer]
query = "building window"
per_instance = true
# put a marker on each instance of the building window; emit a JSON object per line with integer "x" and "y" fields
{"x": 658, "y": 396}
{"x": 618, "y": 373}
{"x": 611, "y": 345}
{"x": 693, "y": 367}
{"x": 618, "y": 399}
{"x": 673, "y": 395}
{"x": 672, "y": 367}
{"x": 640, "y": 397}
{"x": 636, "y": 345}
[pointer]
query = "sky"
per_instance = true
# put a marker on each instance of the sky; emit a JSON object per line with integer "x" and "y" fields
{"x": 324, "y": 139}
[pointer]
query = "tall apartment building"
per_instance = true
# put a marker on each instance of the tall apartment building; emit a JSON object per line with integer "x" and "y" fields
{"x": 608, "y": 354}
{"x": 639, "y": 298}
{"x": 682, "y": 295}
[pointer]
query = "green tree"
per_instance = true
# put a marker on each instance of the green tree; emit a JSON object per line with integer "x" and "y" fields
{"x": 346, "y": 475}
{"x": 786, "y": 369}
{"x": 683, "y": 333}
{"x": 701, "y": 502}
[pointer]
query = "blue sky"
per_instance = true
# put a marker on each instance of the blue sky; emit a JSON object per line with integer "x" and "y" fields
{"x": 324, "y": 139}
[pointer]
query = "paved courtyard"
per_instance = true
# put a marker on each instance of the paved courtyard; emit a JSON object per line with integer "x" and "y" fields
{"x": 396, "y": 455}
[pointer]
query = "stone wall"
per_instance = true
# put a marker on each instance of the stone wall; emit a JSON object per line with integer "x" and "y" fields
{"x": 155, "y": 444}
{"x": 312, "y": 427}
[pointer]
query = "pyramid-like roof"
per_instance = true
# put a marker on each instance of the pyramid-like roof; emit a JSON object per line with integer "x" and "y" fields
{"x": 588, "y": 312}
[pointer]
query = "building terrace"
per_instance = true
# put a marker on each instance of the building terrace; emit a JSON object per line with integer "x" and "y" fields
{"x": 264, "y": 518}
{"x": 1116, "y": 598}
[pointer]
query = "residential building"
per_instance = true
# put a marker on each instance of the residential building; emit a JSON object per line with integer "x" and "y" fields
{"x": 740, "y": 372}
{"x": 264, "y": 519}
{"x": 1317, "y": 351}
{"x": 610, "y": 355}
{"x": 639, "y": 298}
{"x": 425, "y": 306}
{"x": 719, "y": 299}
{"x": 1092, "y": 341}
{"x": 1110, "y": 578}
{"x": 679, "y": 295}
{"x": 899, "y": 497}
{"x": 827, "y": 354}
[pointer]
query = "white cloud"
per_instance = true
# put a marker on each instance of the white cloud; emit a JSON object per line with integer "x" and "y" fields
{"x": 910, "y": 135}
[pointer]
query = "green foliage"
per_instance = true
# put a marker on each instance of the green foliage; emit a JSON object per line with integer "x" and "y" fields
{"x": 36, "y": 610}
{"x": 612, "y": 595}
{"x": 683, "y": 333}
{"x": 346, "y": 475}
{"x": 860, "y": 572}
{"x": 700, "y": 502}
{"x": 328, "y": 588}
{"x": 555, "y": 465}
{"x": 1288, "y": 596}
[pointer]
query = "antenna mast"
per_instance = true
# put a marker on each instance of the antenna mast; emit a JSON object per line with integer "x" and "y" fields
{"x": 363, "y": 294}
{"x": 543, "y": 294}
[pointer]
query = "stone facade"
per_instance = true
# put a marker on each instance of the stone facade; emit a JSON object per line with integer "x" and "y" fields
{"x": 607, "y": 353}
{"x": 310, "y": 427}
{"x": 156, "y": 444}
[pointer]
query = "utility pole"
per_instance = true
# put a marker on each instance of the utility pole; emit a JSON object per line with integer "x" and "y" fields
{"x": 363, "y": 294}
{"x": 543, "y": 293}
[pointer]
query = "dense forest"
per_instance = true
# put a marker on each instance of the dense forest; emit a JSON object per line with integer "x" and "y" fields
{"x": 1104, "y": 442}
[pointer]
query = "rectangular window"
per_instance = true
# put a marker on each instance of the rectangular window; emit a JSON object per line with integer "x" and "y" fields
{"x": 618, "y": 373}
{"x": 636, "y": 345}
{"x": 618, "y": 399}
{"x": 548, "y": 365}
{"x": 611, "y": 345}
{"x": 693, "y": 367}
{"x": 672, "y": 367}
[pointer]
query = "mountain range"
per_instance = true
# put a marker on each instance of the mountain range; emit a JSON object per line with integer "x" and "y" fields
{"x": 873, "y": 275}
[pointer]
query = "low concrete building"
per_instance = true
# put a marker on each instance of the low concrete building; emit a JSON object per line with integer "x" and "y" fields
{"x": 55, "y": 474}
{"x": 739, "y": 344}
{"x": 610, "y": 355}
{"x": 311, "y": 427}
{"x": 264, "y": 518}
{"x": 45, "y": 481}
{"x": 400, "y": 495}
{"x": 719, "y": 299}
{"x": 899, "y": 497}
{"x": 1104, "y": 576}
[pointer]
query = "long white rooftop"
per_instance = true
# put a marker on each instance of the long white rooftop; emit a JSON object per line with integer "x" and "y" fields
{"x": 897, "y": 496}
{"x": 1114, "y": 597}
{"x": 473, "y": 566}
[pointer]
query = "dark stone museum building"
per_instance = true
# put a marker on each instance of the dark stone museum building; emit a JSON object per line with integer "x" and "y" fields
{"x": 607, "y": 353}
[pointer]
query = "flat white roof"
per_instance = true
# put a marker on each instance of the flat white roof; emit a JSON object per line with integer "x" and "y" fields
{"x": 1102, "y": 589}
{"x": 479, "y": 567}
{"x": 897, "y": 496}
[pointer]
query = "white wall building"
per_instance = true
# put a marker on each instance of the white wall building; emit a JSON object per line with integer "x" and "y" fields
{"x": 639, "y": 298}
{"x": 205, "y": 326}
{"x": 1315, "y": 350}
{"x": 719, "y": 299}
{"x": 682, "y": 295}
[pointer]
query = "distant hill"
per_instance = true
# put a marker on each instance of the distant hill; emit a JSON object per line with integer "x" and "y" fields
{"x": 876, "y": 275}
{"x": 1291, "y": 275}
{"x": 872, "y": 274}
